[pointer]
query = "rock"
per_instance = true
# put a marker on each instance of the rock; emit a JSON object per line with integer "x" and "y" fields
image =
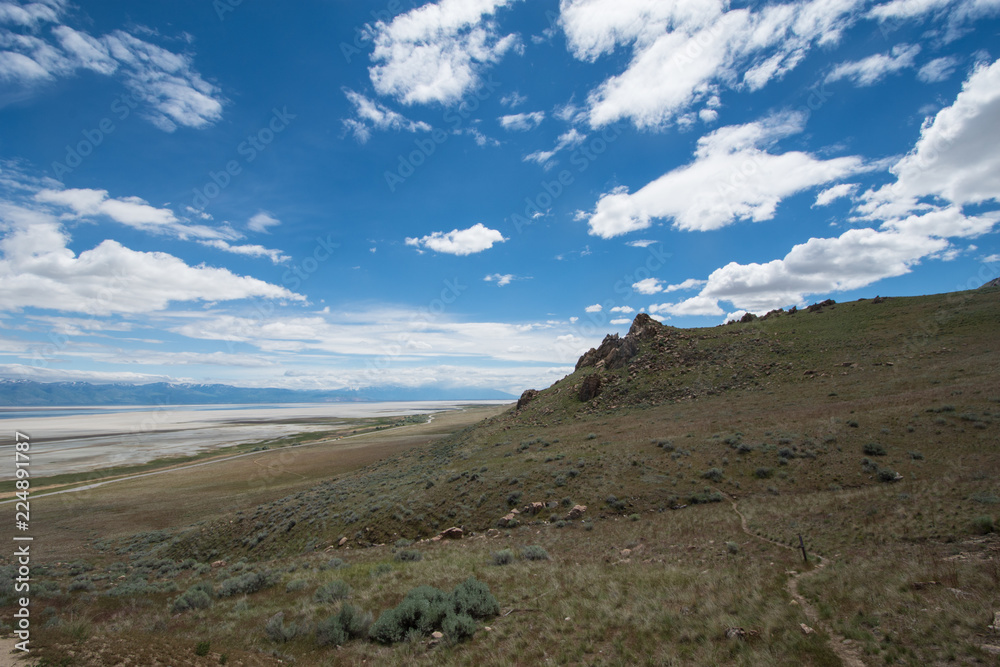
{"x": 996, "y": 622}
{"x": 219, "y": 563}
{"x": 492, "y": 533}
{"x": 736, "y": 633}
{"x": 533, "y": 508}
{"x": 576, "y": 512}
{"x": 590, "y": 388}
{"x": 816, "y": 307}
{"x": 508, "y": 520}
{"x": 614, "y": 351}
{"x": 990, "y": 648}
{"x": 437, "y": 635}
{"x": 453, "y": 533}
{"x": 880, "y": 299}
{"x": 806, "y": 630}
{"x": 993, "y": 283}
{"x": 527, "y": 397}
{"x": 342, "y": 542}
{"x": 747, "y": 318}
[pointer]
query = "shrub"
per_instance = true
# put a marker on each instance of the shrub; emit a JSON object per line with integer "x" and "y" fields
{"x": 874, "y": 449}
{"x": 534, "y": 552}
{"x": 852, "y": 423}
{"x": 785, "y": 453}
{"x": 198, "y": 596}
{"x": 634, "y": 516}
{"x": 705, "y": 497}
{"x": 503, "y": 557}
{"x": 202, "y": 648}
{"x": 332, "y": 591}
{"x": 245, "y": 584}
{"x": 402, "y": 543}
{"x": 409, "y": 556}
{"x": 916, "y": 456}
{"x": 713, "y": 474}
{"x": 473, "y": 597}
{"x": 332, "y": 564}
{"x": 983, "y": 525}
{"x": 295, "y": 585}
{"x": 278, "y": 631}
{"x": 349, "y": 623}
{"x": 591, "y": 436}
{"x": 763, "y": 472}
{"x": 458, "y": 627}
{"x": 732, "y": 547}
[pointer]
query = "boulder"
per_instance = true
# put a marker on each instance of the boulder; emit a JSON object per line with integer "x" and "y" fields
{"x": 219, "y": 563}
{"x": 590, "y": 388}
{"x": 508, "y": 520}
{"x": 453, "y": 533}
{"x": 527, "y": 397}
{"x": 533, "y": 508}
{"x": 576, "y": 512}
{"x": 342, "y": 542}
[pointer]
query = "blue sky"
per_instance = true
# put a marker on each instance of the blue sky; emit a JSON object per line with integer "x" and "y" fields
{"x": 472, "y": 192}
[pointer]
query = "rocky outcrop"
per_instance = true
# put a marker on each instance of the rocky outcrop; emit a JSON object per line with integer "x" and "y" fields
{"x": 614, "y": 351}
{"x": 993, "y": 283}
{"x": 527, "y": 397}
{"x": 577, "y": 512}
{"x": 590, "y": 388}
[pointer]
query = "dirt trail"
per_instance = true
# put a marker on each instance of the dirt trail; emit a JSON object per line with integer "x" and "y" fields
{"x": 846, "y": 650}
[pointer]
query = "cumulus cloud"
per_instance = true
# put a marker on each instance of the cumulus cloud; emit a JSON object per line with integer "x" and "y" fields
{"x": 596, "y": 308}
{"x": 522, "y": 122}
{"x": 172, "y": 92}
{"x": 623, "y": 309}
{"x": 501, "y": 279}
{"x": 37, "y": 269}
{"x": 873, "y": 69}
{"x": 696, "y": 305}
{"x": 684, "y": 49}
{"x": 370, "y": 114}
{"x": 437, "y": 52}
{"x": 732, "y": 178}
{"x": 476, "y": 238}
{"x": 688, "y": 284}
{"x": 648, "y": 286}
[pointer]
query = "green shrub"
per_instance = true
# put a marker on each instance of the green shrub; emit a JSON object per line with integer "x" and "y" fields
{"x": 983, "y": 525}
{"x": 202, "y": 648}
{"x": 785, "y": 453}
{"x": 348, "y": 623}
{"x": 916, "y": 456}
{"x": 888, "y": 476}
{"x": 732, "y": 547}
{"x": 503, "y": 557}
{"x": 763, "y": 472}
{"x": 332, "y": 591}
{"x": 705, "y": 497}
{"x": 458, "y": 627}
{"x": 874, "y": 449}
{"x": 245, "y": 584}
{"x": 426, "y": 609}
{"x": 534, "y": 552}
{"x": 329, "y": 632}
{"x": 295, "y": 585}
{"x": 332, "y": 564}
{"x": 198, "y": 596}
{"x": 409, "y": 556}
{"x": 713, "y": 474}
{"x": 278, "y": 631}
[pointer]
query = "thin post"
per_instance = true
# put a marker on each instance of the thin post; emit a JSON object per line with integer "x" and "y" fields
{"x": 802, "y": 545}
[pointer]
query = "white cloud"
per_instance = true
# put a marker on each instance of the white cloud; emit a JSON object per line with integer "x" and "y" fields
{"x": 871, "y": 70}
{"x": 260, "y": 221}
{"x": 371, "y": 114}
{"x": 38, "y": 270}
{"x": 648, "y": 286}
{"x": 991, "y": 259}
{"x": 522, "y": 122}
{"x": 569, "y": 139}
{"x": 708, "y": 115}
{"x": 596, "y": 308}
{"x": 640, "y": 243}
{"x": 459, "y": 242}
{"x": 623, "y": 309}
{"x": 620, "y": 321}
{"x": 42, "y": 374}
{"x": 955, "y": 157}
{"x": 172, "y": 92}
{"x": 435, "y": 53}
{"x": 500, "y": 279}
{"x": 696, "y": 305}
{"x": 955, "y": 13}
{"x": 732, "y": 178}
{"x": 939, "y": 69}
{"x": 514, "y": 99}
{"x": 276, "y": 256}
{"x": 131, "y": 211}
{"x": 683, "y": 49}
{"x": 831, "y": 194}
{"x": 690, "y": 283}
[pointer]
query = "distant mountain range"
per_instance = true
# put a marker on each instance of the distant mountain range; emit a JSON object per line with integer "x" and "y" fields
{"x": 31, "y": 393}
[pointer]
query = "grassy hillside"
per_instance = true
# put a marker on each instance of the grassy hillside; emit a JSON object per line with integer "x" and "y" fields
{"x": 868, "y": 428}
